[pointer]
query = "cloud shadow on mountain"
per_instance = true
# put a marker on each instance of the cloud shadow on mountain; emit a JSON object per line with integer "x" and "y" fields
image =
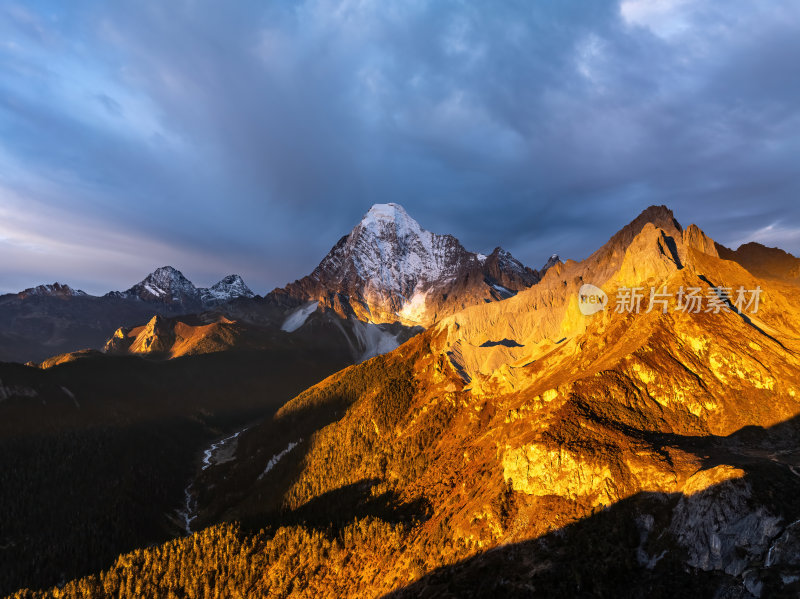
{"x": 624, "y": 551}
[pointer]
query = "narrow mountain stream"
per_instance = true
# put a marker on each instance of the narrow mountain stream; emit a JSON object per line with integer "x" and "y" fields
{"x": 219, "y": 452}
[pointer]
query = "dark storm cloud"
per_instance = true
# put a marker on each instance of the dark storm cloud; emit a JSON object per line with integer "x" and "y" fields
{"x": 249, "y": 136}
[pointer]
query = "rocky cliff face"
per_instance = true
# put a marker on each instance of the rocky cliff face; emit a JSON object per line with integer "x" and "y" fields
{"x": 390, "y": 269}
{"x": 156, "y": 337}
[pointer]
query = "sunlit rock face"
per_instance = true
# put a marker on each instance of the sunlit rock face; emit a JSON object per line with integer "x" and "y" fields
{"x": 538, "y": 470}
{"x": 390, "y": 269}
{"x": 156, "y": 337}
{"x": 175, "y": 337}
{"x": 695, "y": 239}
{"x": 650, "y": 258}
{"x": 550, "y": 332}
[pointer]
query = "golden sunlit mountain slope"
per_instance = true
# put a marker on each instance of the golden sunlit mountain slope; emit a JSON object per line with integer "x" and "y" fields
{"x": 324, "y": 330}
{"x": 525, "y": 448}
{"x": 174, "y": 337}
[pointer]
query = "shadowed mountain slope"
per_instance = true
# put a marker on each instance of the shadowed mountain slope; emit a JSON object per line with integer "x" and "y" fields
{"x": 97, "y": 452}
{"x": 765, "y": 262}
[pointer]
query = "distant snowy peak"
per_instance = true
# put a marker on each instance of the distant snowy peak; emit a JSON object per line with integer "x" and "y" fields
{"x": 551, "y": 261}
{"x": 229, "y": 288}
{"x": 502, "y": 265}
{"x": 506, "y": 275}
{"x": 52, "y": 290}
{"x": 168, "y": 285}
{"x": 165, "y": 285}
{"x": 505, "y": 262}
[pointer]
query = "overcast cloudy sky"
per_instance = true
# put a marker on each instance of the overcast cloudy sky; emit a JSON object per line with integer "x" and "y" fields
{"x": 248, "y": 137}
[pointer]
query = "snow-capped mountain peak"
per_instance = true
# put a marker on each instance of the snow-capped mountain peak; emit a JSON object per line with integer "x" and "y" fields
{"x": 165, "y": 285}
{"x": 390, "y": 269}
{"x": 391, "y": 252}
{"x": 52, "y": 290}
{"x": 231, "y": 287}
{"x": 383, "y": 216}
{"x": 551, "y": 261}
{"x": 168, "y": 285}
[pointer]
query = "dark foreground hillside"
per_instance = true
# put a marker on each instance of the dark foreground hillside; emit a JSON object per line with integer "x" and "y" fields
{"x": 95, "y": 454}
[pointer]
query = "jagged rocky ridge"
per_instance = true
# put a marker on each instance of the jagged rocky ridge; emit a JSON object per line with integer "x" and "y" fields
{"x": 52, "y": 290}
{"x": 173, "y": 337}
{"x": 169, "y": 286}
{"x": 362, "y": 295}
{"x": 229, "y": 288}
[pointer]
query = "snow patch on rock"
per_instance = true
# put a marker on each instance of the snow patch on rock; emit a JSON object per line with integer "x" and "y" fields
{"x": 414, "y": 308}
{"x": 374, "y": 339}
{"x": 273, "y": 461}
{"x": 298, "y": 318}
{"x": 9, "y": 391}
